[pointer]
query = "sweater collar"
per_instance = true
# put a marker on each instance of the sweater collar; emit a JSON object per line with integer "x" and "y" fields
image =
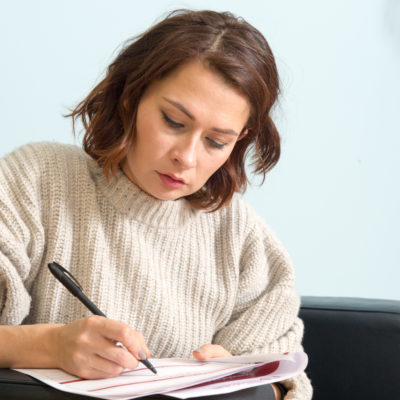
{"x": 132, "y": 201}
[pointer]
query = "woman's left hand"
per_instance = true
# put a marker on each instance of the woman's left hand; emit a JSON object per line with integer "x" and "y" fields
{"x": 211, "y": 351}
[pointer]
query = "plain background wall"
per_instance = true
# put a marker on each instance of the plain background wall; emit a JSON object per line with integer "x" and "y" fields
{"x": 334, "y": 198}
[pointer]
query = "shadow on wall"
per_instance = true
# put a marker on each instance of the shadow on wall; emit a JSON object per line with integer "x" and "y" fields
{"x": 392, "y": 21}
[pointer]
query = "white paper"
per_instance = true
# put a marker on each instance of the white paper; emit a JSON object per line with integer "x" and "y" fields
{"x": 179, "y": 377}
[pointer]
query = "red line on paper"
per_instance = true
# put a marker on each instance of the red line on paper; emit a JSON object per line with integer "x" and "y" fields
{"x": 73, "y": 381}
{"x": 122, "y": 373}
{"x": 154, "y": 380}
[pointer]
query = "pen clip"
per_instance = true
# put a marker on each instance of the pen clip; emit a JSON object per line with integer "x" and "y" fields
{"x": 61, "y": 269}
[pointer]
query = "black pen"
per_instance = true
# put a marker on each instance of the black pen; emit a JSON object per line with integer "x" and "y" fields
{"x": 70, "y": 282}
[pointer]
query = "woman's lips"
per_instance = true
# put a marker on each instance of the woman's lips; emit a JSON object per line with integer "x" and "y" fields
{"x": 171, "y": 181}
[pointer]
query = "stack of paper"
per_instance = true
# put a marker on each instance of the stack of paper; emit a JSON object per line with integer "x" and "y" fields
{"x": 181, "y": 378}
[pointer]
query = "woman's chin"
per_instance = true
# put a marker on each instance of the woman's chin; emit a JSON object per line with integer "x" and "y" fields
{"x": 170, "y": 195}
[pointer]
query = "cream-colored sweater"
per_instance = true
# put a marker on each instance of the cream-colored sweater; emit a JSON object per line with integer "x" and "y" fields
{"x": 180, "y": 276}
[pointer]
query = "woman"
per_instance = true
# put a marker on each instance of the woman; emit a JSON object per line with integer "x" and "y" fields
{"x": 147, "y": 217}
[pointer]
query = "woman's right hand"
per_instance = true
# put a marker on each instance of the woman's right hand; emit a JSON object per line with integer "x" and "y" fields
{"x": 87, "y": 347}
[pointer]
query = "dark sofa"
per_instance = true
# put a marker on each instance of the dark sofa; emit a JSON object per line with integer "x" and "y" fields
{"x": 353, "y": 346}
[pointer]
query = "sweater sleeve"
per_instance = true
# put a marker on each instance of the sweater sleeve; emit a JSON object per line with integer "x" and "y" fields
{"x": 265, "y": 316}
{"x": 21, "y": 232}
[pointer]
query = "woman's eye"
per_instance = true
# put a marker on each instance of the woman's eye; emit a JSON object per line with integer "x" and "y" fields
{"x": 216, "y": 144}
{"x": 175, "y": 124}
{"x": 171, "y": 122}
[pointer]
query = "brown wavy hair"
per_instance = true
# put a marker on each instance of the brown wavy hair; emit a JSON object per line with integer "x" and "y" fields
{"x": 226, "y": 44}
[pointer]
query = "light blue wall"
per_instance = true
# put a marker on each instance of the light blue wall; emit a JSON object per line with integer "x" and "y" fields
{"x": 334, "y": 198}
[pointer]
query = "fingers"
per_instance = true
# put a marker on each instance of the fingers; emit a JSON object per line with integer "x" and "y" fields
{"x": 95, "y": 367}
{"x": 118, "y": 355}
{"x": 109, "y": 361}
{"x": 211, "y": 351}
{"x": 88, "y": 347}
{"x": 122, "y": 333}
{"x": 99, "y": 368}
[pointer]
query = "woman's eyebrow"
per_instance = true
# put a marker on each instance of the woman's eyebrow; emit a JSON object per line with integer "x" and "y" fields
{"x": 227, "y": 131}
{"x": 180, "y": 107}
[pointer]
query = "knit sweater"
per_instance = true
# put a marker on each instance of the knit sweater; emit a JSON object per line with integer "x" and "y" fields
{"x": 182, "y": 277}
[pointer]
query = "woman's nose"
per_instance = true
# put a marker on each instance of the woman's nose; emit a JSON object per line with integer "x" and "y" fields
{"x": 185, "y": 150}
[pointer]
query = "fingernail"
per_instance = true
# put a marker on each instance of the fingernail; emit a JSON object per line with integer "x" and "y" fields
{"x": 199, "y": 350}
{"x": 142, "y": 355}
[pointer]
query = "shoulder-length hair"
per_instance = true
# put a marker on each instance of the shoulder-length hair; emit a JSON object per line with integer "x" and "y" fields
{"x": 229, "y": 46}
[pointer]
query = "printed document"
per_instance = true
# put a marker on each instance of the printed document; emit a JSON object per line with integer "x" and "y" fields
{"x": 181, "y": 378}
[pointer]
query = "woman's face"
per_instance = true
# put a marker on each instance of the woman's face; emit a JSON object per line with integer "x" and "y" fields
{"x": 187, "y": 125}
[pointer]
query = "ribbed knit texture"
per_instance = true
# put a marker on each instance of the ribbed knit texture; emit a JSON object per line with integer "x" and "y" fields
{"x": 180, "y": 276}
